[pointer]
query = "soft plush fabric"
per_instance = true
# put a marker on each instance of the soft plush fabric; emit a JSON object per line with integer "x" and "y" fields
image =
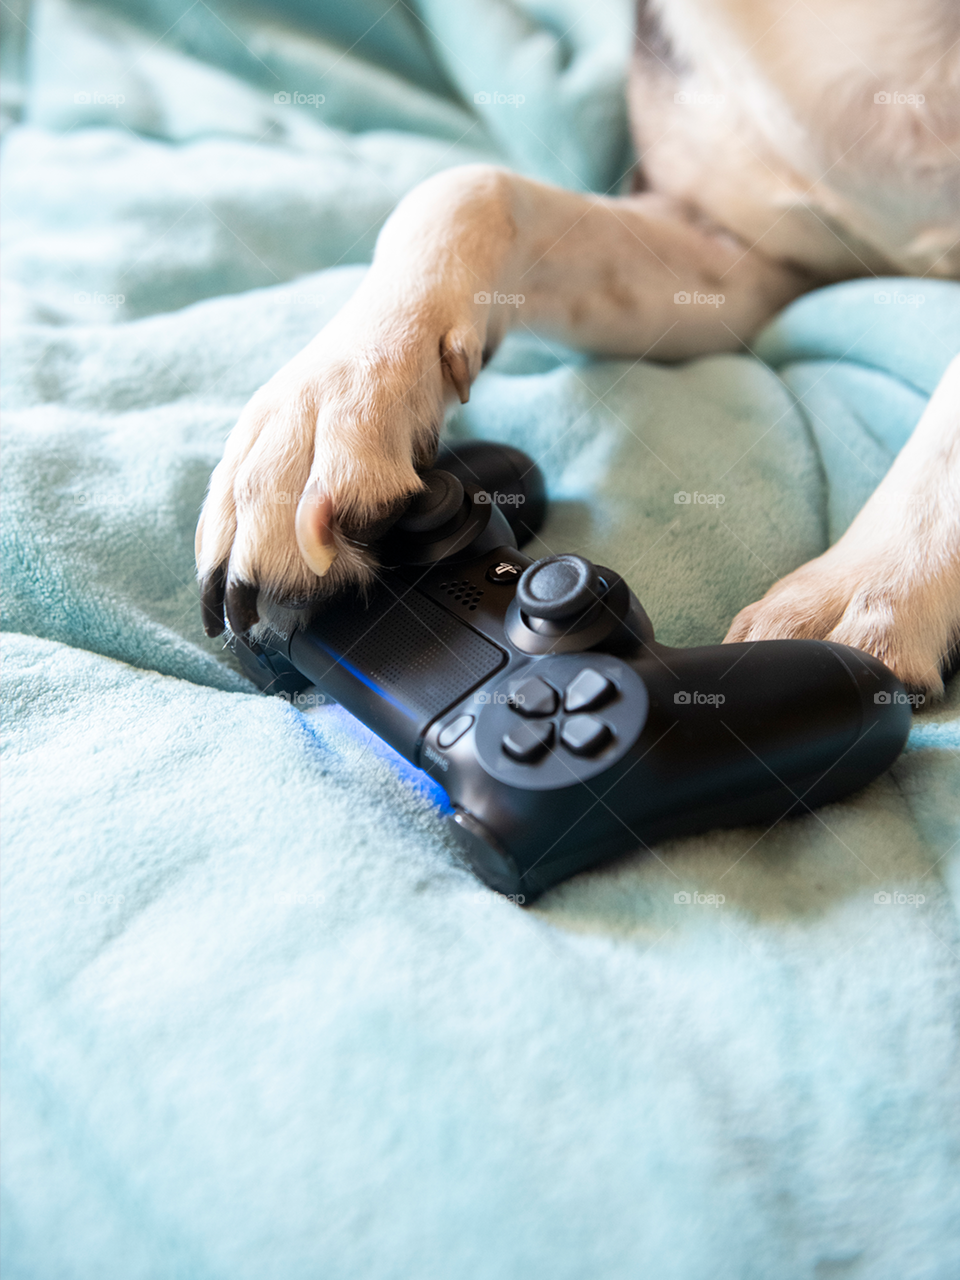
{"x": 259, "y": 1022}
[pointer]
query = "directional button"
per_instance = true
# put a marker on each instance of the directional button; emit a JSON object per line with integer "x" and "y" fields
{"x": 534, "y": 697}
{"x": 588, "y": 691}
{"x": 527, "y": 742}
{"x": 585, "y": 735}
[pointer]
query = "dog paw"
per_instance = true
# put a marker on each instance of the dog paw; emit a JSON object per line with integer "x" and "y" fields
{"x": 321, "y": 461}
{"x": 907, "y": 618}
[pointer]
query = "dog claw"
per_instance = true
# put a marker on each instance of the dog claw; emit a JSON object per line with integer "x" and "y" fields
{"x": 211, "y": 601}
{"x": 241, "y": 601}
{"x": 456, "y": 367}
{"x": 313, "y": 530}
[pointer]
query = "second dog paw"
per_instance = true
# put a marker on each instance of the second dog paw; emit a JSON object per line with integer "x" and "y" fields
{"x": 904, "y": 617}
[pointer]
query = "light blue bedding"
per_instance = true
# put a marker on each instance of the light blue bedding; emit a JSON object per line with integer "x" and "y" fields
{"x": 259, "y": 1023}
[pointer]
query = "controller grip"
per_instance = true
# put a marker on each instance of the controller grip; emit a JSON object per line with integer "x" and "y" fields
{"x": 811, "y": 720}
{"x": 736, "y": 735}
{"x": 508, "y": 474}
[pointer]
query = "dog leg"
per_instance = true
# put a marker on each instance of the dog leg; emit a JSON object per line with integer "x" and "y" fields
{"x": 891, "y": 584}
{"x": 328, "y": 449}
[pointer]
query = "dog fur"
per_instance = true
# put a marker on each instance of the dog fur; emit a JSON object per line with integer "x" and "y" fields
{"x": 800, "y": 173}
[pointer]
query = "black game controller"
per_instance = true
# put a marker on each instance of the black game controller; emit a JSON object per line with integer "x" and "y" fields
{"x": 535, "y": 694}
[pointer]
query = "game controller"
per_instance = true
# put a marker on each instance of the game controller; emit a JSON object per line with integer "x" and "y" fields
{"x": 535, "y": 694}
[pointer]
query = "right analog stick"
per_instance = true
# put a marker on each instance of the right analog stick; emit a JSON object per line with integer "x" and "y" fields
{"x": 559, "y": 588}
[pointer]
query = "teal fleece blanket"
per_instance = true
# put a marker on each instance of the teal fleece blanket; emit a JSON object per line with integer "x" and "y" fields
{"x": 259, "y": 1022}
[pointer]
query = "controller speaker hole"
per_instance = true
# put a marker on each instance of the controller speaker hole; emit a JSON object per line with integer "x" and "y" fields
{"x": 463, "y": 592}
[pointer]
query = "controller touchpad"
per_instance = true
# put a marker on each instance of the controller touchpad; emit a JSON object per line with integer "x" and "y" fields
{"x": 407, "y": 648}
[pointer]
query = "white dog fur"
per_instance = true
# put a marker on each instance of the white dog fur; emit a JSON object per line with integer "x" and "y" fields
{"x": 796, "y": 176}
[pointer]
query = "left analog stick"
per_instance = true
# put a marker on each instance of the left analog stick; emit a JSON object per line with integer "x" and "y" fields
{"x": 434, "y": 506}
